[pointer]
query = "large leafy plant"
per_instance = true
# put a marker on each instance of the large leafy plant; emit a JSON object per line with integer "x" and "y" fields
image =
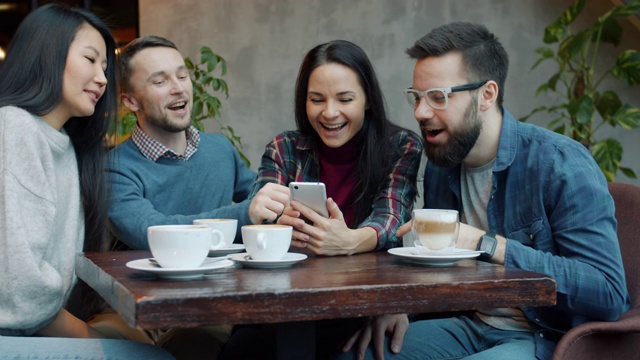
{"x": 205, "y": 104}
{"x": 584, "y": 106}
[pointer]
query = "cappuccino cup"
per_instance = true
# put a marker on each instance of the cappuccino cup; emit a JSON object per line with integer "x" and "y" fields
{"x": 266, "y": 242}
{"x": 435, "y": 229}
{"x": 227, "y": 227}
{"x": 182, "y": 246}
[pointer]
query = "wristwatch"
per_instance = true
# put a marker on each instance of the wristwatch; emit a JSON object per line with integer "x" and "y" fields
{"x": 487, "y": 245}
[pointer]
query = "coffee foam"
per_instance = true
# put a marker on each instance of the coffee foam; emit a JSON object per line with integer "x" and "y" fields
{"x": 435, "y": 215}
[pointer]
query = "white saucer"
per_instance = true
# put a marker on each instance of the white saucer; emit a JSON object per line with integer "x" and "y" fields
{"x": 433, "y": 259}
{"x": 231, "y": 249}
{"x": 288, "y": 260}
{"x": 179, "y": 274}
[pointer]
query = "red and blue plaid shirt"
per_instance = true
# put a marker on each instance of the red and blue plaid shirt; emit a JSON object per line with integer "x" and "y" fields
{"x": 291, "y": 156}
{"x": 153, "y": 150}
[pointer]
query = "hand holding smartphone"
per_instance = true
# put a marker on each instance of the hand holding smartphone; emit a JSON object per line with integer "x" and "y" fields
{"x": 310, "y": 194}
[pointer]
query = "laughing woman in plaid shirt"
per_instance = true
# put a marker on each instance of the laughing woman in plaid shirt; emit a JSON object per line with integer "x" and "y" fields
{"x": 345, "y": 140}
{"x": 368, "y": 165}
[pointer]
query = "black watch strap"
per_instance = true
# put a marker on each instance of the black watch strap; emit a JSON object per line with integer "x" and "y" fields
{"x": 487, "y": 245}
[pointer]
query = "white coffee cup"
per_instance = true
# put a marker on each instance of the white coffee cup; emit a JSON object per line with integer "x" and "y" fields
{"x": 266, "y": 242}
{"x": 227, "y": 227}
{"x": 435, "y": 229}
{"x": 182, "y": 246}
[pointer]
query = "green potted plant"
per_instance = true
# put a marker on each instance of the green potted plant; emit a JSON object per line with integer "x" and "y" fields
{"x": 205, "y": 104}
{"x": 584, "y": 106}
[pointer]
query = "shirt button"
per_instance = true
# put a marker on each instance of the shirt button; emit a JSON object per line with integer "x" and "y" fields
{"x": 537, "y": 320}
{"x": 541, "y": 335}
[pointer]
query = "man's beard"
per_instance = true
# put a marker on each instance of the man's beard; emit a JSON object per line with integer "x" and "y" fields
{"x": 454, "y": 151}
{"x": 170, "y": 127}
{"x": 166, "y": 124}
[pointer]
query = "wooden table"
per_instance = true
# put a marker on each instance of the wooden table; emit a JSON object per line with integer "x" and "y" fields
{"x": 316, "y": 288}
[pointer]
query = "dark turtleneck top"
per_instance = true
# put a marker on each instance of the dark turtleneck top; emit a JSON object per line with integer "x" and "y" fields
{"x": 339, "y": 173}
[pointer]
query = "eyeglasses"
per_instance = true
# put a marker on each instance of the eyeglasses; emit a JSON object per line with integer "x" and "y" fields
{"x": 438, "y": 98}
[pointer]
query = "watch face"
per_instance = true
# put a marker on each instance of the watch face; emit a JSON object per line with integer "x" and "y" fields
{"x": 488, "y": 244}
{"x": 485, "y": 244}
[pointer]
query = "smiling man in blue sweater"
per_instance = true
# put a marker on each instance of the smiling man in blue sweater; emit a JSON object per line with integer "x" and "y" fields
{"x": 168, "y": 172}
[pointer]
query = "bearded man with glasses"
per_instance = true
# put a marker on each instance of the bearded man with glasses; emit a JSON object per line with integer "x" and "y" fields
{"x": 528, "y": 198}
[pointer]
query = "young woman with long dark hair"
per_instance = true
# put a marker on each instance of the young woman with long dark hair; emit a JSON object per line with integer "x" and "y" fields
{"x": 345, "y": 140}
{"x": 57, "y": 97}
{"x": 368, "y": 165}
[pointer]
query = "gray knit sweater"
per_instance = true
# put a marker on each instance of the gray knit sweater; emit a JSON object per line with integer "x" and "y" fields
{"x": 41, "y": 221}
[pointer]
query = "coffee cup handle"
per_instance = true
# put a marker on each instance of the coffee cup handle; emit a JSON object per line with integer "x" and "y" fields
{"x": 219, "y": 239}
{"x": 262, "y": 241}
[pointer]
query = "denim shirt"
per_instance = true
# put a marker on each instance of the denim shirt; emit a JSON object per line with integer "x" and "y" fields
{"x": 551, "y": 201}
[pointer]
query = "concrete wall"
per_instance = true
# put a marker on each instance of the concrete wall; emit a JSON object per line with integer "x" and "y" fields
{"x": 264, "y": 42}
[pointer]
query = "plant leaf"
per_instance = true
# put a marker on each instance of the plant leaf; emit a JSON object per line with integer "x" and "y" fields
{"x": 189, "y": 64}
{"x": 557, "y": 31}
{"x": 553, "y": 81}
{"x": 212, "y": 62}
{"x": 550, "y": 84}
{"x": 128, "y": 123}
{"x": 628, "y": 172}
{"x": 573, "y": 44}
{"x": 553, "y": 122}
{"x": 553, "y": 33}
{"x": 627, "y": 116}
{"x": 560, "y": 129}
{"x": 632, "y": 8}
{"x": 223, "y": 66}
{"x": 195, "y": 75}
{"x": 224, "y": 87}
{"x": 627, "y": 67}
{"x": 572, "y": 12}
{"x": 545, "y": 53}
{"x": 198, "y": 125}
{"x": 538, "y": 109}
{"x": 543, "y": 88}
{"x": 207, "y": 80}
{"x": 197, "y": 108}
{"x": 205, "y": 54}
{"x": 608, "y": 154}
{"x": 607, "y": 104}
{"x": 209, "y": 58}
{"x": 213, "y": 105}
{"x": 611, "y": 32}
{"x": 582, "y": 109}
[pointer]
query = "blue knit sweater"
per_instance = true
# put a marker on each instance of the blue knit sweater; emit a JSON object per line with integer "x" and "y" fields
{"x": 213, "y": 183}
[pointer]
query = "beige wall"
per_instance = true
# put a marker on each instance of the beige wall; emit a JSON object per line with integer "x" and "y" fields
{"x": 264, "y": 41}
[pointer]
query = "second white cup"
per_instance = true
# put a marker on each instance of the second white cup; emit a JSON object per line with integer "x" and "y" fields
{"x": 266, "y": 242}
{"x": 227, "y": 227}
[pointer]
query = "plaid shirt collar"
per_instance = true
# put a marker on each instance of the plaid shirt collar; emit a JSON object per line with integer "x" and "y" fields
{"x": 153, "y": 150}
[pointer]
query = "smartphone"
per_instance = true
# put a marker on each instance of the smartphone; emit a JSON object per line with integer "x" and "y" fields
{"x": 310, "y": 194}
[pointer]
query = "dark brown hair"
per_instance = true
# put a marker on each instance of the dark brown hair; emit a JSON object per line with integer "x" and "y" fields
{"x": 482, "y": 54}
